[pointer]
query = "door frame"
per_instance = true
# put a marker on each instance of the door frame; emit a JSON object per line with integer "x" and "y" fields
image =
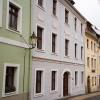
{"x": 68, "y": 82}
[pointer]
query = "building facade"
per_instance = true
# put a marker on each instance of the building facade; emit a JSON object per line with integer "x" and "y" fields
{"x": 91, "y": 56}
{"x": 14, "y": 49}
{"x": 58, "y": 60}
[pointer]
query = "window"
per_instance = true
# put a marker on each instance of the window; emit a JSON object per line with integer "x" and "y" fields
{"x": 82, "y": 77}
{"x": 54, "y": 6}
{"x": 91, "y": 62}
{"x": 76, "y": 76}
{"x": 39, "y": 81}
{"x": 94, "y": 47}
{"x": 94, "y": 63}
{"x": 75, "y": 50}
{"x": 92, "y": 81}
{"x": 13, "y": 16}
{"x": 81, "y": 27}
{"x": 66, "y": 16}
{"x": 53, "y": 80}
{"x": 95, "y": 80}
{"x": 11, "y": 79}
{"x": 75, "y": 22}
{"x": 81, "y": 52}
{"x": 88, "y": 61}
{"x": 40, "y": 3}
{"x": 91, "y": 45}
{"x": 66, "y": 47}
{"x": 39, "y": 37}
{"x": 87, "y": 43}
{"x": 10, "y": 74}
{"x": 54, "y": 42}
{"x": 1, "y": 6}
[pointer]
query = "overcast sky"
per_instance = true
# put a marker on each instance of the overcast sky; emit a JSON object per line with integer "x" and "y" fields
{"x": 90, "y": 9}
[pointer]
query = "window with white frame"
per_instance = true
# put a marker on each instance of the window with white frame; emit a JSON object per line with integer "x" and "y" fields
{"x": 82, "y": 77}
{"x": 76, "y": 77}
{"x": 11, "y": 79}
{"x": 1, "y": 6}
{"x": 14, "y": 16}
{"x": 39, "y": 81}
{"x": 53, "y": 80}
{"x": 40, "y": 3}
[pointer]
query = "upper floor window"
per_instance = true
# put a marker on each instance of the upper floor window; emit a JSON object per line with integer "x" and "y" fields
{"x": 54, "y": 36}
{"x": 91, "y": 45}
{"x": 75, "y": 19}
{"x": 94, "y": 63}
{"x": 88, "y": 61}
{"x": 75, "y": 50}
{"x": 81, "y": 27}
{"x": 1, "y": 9}
{"x": 66, "y": 16}
{"x": 13, "y": 16}
{"x": 66, "y": 47}
{"x": 40, "y": 3}
{"x": 39, "y": 37}
{"x": 87, "y": 43}
{"x": 94, "y": 47}
{"x": 91, "y": 62}
{"x": 54, "y": 6}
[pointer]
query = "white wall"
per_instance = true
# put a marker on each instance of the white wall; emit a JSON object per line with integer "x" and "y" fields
{"x": 44, "y": 18}
{"x": 55, "y": 24}
{"x": 61, "y": 68}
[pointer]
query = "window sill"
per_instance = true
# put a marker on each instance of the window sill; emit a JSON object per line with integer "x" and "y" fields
{"x": 41, "y": 7}
{"x": 9, "y": 94}
{"x": 66, "y": 57}
{"x": 54, "y": 53}
{"x": 17, "y": 32}
{"x": 53, "y": 91}
{"x": 66, "y": 24}
{"x": 54, "y": 16}
{"x": 38, "y": 94}
{"x": 40, "y": 50}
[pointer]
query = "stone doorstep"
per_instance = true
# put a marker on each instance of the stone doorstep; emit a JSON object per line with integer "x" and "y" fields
{"x": 81, "y": 95}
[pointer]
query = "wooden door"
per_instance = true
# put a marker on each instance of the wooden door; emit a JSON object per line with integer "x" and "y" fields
{"x": 65, "y": 84}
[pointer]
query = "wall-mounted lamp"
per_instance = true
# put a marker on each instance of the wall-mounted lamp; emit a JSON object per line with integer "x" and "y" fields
{"x": 33, "y": 40}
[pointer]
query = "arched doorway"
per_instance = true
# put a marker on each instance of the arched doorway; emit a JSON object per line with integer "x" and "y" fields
{"x": 65, "y": 83}
{"x": 88, "y": 84}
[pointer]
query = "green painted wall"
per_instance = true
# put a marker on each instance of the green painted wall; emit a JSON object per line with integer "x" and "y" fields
{"x": 13, "y": 54}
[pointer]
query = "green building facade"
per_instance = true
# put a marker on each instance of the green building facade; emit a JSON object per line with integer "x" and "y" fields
{"x": 14, "y": 49}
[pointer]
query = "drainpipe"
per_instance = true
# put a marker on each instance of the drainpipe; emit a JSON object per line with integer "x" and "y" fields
{"x": 29, "y": 73}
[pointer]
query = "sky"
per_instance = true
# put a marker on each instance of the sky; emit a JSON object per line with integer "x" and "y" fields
{"x": 90, "y": 9}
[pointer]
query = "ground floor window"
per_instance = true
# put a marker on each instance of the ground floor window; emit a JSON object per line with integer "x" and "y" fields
{"x": 53, "y": 80}
{"x": 39, "y": 79}
{"x": 76, "y": 77}
{"x": 11, "y": 79}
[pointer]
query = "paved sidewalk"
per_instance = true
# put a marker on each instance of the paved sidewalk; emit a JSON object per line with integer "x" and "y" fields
{"x": 82, "y": 97}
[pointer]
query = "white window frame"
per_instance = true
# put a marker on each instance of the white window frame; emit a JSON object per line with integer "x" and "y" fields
{"x": 1, "y": 12}
{"x": 16, "y": 79}
{"x": 43, "y": 38}
{"x": 42, "y": 83}
{"x": 19, "y": 25}
{"x": 56, "y": 83}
